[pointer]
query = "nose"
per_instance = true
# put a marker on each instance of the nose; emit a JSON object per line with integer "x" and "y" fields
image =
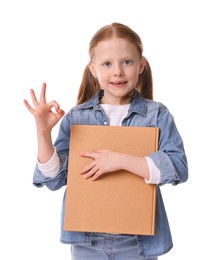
{"x": 118, "y": 71}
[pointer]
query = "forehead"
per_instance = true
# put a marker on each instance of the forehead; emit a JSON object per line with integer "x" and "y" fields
{"x": 115, "y": 46}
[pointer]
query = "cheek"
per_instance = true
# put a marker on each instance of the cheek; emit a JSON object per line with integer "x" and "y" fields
{"x": 134, "y": 74}
{"x": 101, "y": 79}
{"x": 102, "y": 76}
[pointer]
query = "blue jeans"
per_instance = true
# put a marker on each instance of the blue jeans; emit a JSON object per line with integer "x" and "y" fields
{"x": 109, "y": 247}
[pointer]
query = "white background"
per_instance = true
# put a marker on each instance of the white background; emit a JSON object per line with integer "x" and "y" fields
{"x": 47, "y": 41}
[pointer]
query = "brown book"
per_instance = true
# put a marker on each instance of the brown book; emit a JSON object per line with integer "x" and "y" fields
{"x": 118, "y": 202}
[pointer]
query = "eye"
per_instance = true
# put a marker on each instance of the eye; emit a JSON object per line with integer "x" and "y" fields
{"x": 107, "y": 64}
{"x": 127, "y": 62}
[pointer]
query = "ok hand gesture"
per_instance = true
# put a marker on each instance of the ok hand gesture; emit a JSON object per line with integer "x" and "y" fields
{"x": 45, "y": 117}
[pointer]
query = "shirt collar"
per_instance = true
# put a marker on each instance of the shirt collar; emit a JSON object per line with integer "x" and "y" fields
{"x": 138, "y": 103}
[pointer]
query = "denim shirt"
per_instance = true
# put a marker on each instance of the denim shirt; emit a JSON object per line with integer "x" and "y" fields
{"x": 170, "y": 160}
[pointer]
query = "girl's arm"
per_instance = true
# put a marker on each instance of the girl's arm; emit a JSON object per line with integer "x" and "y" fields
{"x": 105, "y": 161}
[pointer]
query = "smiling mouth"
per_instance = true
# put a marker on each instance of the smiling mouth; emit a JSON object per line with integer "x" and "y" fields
{"x": 118, "y": 83}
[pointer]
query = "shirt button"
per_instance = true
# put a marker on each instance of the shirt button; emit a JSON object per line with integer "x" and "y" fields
{"x": 105, "y": 123}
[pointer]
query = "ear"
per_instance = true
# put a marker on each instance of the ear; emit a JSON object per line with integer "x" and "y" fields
{"x": 142, "y": 64}
{"x": 92, "y": 69}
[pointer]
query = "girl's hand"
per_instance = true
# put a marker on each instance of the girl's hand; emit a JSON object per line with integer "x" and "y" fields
{"x": 44, "y": 116}
{"x": 104, "y": 161}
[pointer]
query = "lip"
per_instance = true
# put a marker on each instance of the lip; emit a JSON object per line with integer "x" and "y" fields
{"x": 118, "y": 83}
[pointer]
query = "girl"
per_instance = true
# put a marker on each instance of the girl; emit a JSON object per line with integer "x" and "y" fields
{"x": 116, "y": 89}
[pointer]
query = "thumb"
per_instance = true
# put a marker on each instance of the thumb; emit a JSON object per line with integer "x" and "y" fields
{"x": 60, "y": 113}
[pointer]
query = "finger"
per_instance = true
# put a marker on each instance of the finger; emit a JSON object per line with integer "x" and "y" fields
{"x": 43, "y": 93}
{"x": 96, "y": 176}
{"x": 29, "y": 108}
{"x": 91, "y": 155}
{"x": 91, "y": 173}
{"x": 54, "y": 104}
{"x": 99, "y": 173}
{"x": 55, "y": 107}
{"x": 87, "y": 168}
{"x": 34, "y": 98}
{"x": 60, "y": 113}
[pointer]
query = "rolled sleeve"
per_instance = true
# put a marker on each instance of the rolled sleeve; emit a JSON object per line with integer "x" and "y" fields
{"x": 154, "y": 172}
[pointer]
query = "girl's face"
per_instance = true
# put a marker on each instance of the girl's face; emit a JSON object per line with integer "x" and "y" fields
{"x": 117, "y": 65}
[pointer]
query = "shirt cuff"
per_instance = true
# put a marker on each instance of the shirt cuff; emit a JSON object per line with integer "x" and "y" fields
{"x": 50, "y": 168}
{"x": 153, "y": 171}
